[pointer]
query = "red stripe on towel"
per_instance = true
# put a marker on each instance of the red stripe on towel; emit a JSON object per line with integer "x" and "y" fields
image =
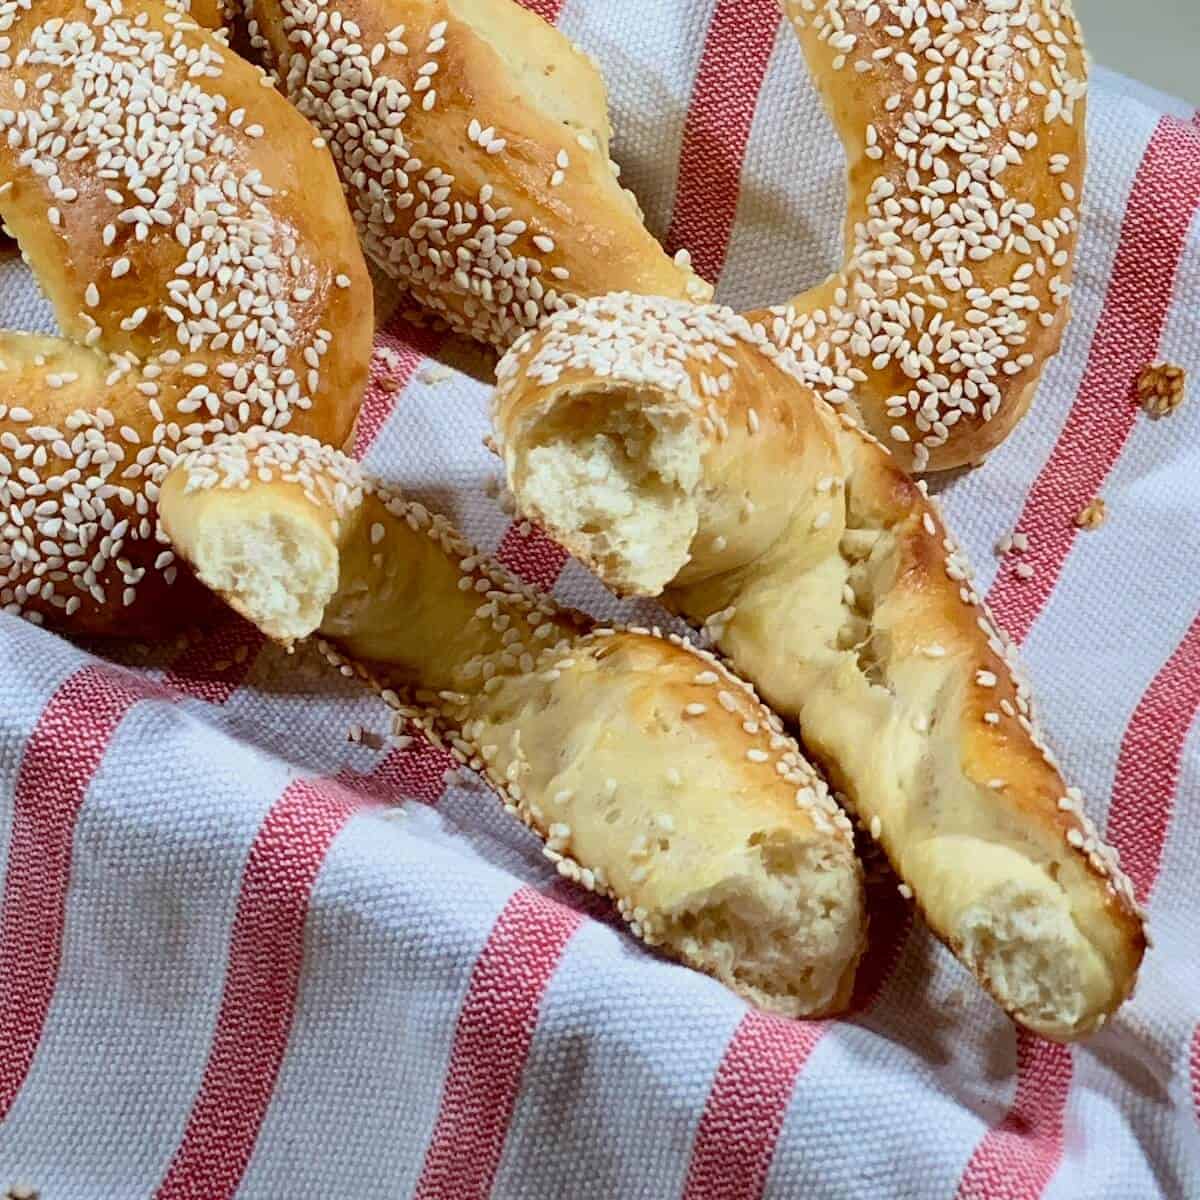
{"x": 745, "y": 1109}
{"x": 491, "y": 1044}
{"x": 1162, "y": 203}
{"x": 1018, "y": 1158}
{"x": 532, "y": 556}
{"x": 400, "y": 349}
{"x": 214, "y": 668}
{"x": 548, "y": 10}
{"x": 1150, "y": 762}
{"x": 732, "y": 68}
{"x": 259, "y": 998}
{"x": 62, "y": 756}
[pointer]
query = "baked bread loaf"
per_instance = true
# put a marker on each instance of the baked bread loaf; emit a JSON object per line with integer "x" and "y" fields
{"x": 963, "y": 127}
{"x": 654, "y": 775}
{"x": 674, "y": 449}
{"x": 205, "y": 275}
{"x": 472, "y": 140}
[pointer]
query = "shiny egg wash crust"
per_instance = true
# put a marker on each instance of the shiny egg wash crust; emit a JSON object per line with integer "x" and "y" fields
{"x": 960, "y": 256}
{"x": 411, "y": 220}
{"x": 540, "y": 639}
{"x": 465, "y": 215}
{"x": 962, "y": 122}
{"x": 121, "y": 121}
{"x": 691, "y": 352}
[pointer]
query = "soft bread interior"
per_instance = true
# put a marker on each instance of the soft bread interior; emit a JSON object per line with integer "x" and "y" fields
{"x": 271, "y": 570}
{"x": 772, "y": 932}
{"x": 1021, "y": 937}
{"x": 613, "y": 476}
{"x": 275, "y": 568}
{"x": 1029, "y": 954}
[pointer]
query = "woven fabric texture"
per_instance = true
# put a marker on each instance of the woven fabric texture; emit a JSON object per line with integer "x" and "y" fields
{"x": 240, "y": 956}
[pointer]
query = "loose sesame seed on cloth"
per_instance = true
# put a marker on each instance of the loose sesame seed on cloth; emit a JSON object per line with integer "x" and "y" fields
{"x": 256, "y": 983}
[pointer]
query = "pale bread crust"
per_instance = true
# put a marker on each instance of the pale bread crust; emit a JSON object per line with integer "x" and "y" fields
{"x": 546, "y": 706}
{"x": 976, "y": 788}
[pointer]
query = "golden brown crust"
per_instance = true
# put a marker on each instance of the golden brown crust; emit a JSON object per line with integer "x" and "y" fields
{"x": 208, "y": 14}
{"x": 654, "y": 774}
{"x": 963, "y": 129}
{"x": 205, "y": 276}
{"x": 828, "y": 578}
{"x": 474, "y": 154}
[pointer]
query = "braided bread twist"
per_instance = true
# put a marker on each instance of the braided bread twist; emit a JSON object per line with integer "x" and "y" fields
{"x": 205, "y": 275}
{"x": 675, "y": 450}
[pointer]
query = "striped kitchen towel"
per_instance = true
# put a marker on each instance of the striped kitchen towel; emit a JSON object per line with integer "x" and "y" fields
{"x": 242, "y": 956}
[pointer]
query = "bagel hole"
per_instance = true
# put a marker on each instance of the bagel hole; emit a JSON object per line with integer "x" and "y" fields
{"x": 34, "y": 313}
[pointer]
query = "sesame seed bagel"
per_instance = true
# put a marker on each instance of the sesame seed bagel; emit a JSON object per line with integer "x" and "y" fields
{"x": 675, "y": 450}
{"x": 963, "y": 127}
{"x": 205, "y": 276}
{"x": 655, "y": 776}
{"x": 208, "y": 14}
{"x": 472, "y": 140}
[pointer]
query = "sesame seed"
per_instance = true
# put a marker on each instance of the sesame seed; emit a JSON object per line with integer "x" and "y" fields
{"x": 937, "y": 203}
{"x": 221, "y": 302}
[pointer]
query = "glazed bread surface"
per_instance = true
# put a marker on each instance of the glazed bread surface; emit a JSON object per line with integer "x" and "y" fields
{"x": 673, "y": 450}
{"x": 205, "y": 276}
{"x": 472, "y": 139}
{"x": 963, "y": 129}
{"x": 654, "y": 775}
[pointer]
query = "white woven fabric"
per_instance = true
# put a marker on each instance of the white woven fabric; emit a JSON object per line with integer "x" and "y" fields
{"x": 240, "y": 956}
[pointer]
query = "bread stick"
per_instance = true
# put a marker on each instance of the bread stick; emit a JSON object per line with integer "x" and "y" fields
{"x": 654, "y": 775}
{"x": 673, "y": 449}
